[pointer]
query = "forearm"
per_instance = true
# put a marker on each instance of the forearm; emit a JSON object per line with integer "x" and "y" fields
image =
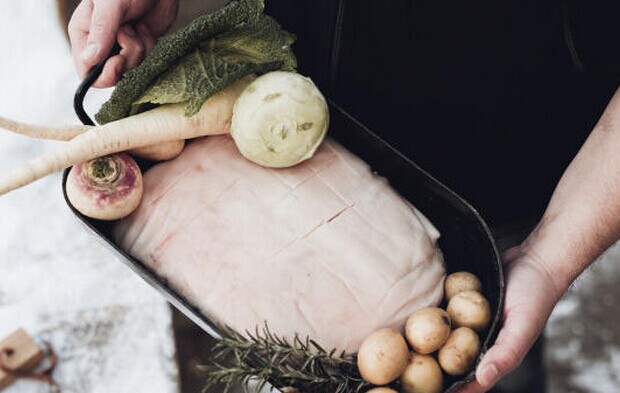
{"x": 583, "y": 216}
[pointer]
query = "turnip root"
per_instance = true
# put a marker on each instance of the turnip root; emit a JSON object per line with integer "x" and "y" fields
{"x": 382, "y": 357}
{"x": 427, "y": 329}
{"x": 469, "y": 309}
{"x": 381, "y": 390}
{"x": 461, "y": 282}
{"x": 162, "y": 124}
{"x": 458, "y": 354}
{"x": 160, "y": 152}
{"x": 422, "y": 375}
{"x": 106, "y": 188}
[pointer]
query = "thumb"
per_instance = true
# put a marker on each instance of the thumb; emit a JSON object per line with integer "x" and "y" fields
{"x": 512, "y": 344}
{"x": 105, "y": 22}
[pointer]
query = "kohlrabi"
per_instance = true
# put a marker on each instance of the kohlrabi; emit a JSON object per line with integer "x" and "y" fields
{"x": 279, "y": 120}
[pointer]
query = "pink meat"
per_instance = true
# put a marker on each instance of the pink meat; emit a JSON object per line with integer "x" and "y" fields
{"x": 326, "y": 249}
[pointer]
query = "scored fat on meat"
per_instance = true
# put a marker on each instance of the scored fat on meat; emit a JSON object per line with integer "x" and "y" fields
{"x": 325, "y": 249}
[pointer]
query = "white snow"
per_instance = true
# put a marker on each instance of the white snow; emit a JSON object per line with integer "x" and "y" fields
{"x": 583, "y": 341}
{"x": 112, "y": 332}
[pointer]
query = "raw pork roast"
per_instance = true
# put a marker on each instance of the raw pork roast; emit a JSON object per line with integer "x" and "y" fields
{"x": 325, "y": 249}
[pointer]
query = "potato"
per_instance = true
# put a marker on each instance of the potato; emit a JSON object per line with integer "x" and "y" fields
{"x": 461, "y": 282}
{"x": 382, "y": 390}
{"x": 458, "y": 353}
{"x": 422, "y": 375}
{"x": 382, "y": 357}
{"x": 469, "y": 309}
{"x": 427, "y": 329}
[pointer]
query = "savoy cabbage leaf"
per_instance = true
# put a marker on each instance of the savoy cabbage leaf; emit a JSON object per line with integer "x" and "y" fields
{"x": 219, "y": 61}
{"x": 206, "y": 56}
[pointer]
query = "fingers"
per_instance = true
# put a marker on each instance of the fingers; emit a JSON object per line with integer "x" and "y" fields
{"x": 147, "y": 38}
{"x": 131, "y": 54}
{"x": 113, "y": 69}
{"x": 528, "y": 303}
{"x": 509, "y": 350}
{"x": 78, "y": 33}
{"x": 502, "y": 358}
{"x": 106, "y": 19}
{"x": 472, "y": 387}
{"x": 160, "y": 18}
{"x": 96, "y": 25}
{"x": 132, "y": 47}
{"x": 92, "y": 31}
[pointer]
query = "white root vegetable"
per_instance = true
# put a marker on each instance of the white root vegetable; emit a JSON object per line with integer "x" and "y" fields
{"x": 58, "y": 133}
{"x": 160, "y": 152}
{"x": 162, "y": 124}
{"x": 381, "y": 390}
{"x": 106, "y": 188}
{"x": 289, "y": 132}
{"x": 279, "y": 120}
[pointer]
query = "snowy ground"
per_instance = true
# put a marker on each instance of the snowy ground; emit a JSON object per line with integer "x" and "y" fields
{"x": 583, "y": 339}
{"x": 112, "y": 332}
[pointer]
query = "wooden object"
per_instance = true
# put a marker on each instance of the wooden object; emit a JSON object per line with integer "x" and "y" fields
{"x": 18, "y": 352}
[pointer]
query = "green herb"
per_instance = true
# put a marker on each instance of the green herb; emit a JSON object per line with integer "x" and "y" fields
{"x": 301, "y": 365}
{"x": 192, "y": 64}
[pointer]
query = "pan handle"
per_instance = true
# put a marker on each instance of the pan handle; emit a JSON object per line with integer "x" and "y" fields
{"x": 91, "y": 77}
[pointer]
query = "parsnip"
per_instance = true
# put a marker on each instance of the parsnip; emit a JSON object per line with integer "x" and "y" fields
{"x": 161, "y": 124}
{"x": 160, "y": 152}
{"x": 56, "y": 133}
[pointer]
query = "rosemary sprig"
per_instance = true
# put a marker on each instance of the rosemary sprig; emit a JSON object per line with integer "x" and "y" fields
{"x": 301, "y": 365}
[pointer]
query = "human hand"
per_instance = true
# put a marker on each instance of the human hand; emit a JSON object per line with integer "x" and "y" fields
{"x": 135, "y": 24}
{"x": 531, "y": 295}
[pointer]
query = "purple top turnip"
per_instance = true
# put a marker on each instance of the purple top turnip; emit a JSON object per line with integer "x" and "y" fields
{"x": 106, "y": 188}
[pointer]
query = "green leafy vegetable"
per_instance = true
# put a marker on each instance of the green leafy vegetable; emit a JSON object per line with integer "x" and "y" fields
{"x": 209, "y": 54}
{"x": 219, "y": 61}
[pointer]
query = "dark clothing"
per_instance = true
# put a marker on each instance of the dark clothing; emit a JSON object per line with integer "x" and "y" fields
{"x": 484, "y": 95}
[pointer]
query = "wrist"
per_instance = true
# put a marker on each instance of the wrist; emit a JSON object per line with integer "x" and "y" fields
{"x": 559, "y": 250}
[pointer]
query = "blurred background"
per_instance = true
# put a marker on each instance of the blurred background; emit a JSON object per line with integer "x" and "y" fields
{"x": 114, "y": 333}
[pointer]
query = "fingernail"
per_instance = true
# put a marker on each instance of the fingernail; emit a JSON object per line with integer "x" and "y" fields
{"x": 489, "y": 375}
{"x": 90, "y": 51}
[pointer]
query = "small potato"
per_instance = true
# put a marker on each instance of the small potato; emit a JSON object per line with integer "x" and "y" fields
{"x": 381, "y": 390}
{"x": 382, "y": 357}
{"x": 422, "y": 375}
{"x": 459, "y": 352}
{"x": 469, "y": 309}
{"x": 427, "y": 329}
{"x": 461, "y": 282}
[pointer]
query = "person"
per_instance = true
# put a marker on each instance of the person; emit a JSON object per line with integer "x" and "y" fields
{"x": 496, "y": 100}
{"x": 96, "y": 26}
